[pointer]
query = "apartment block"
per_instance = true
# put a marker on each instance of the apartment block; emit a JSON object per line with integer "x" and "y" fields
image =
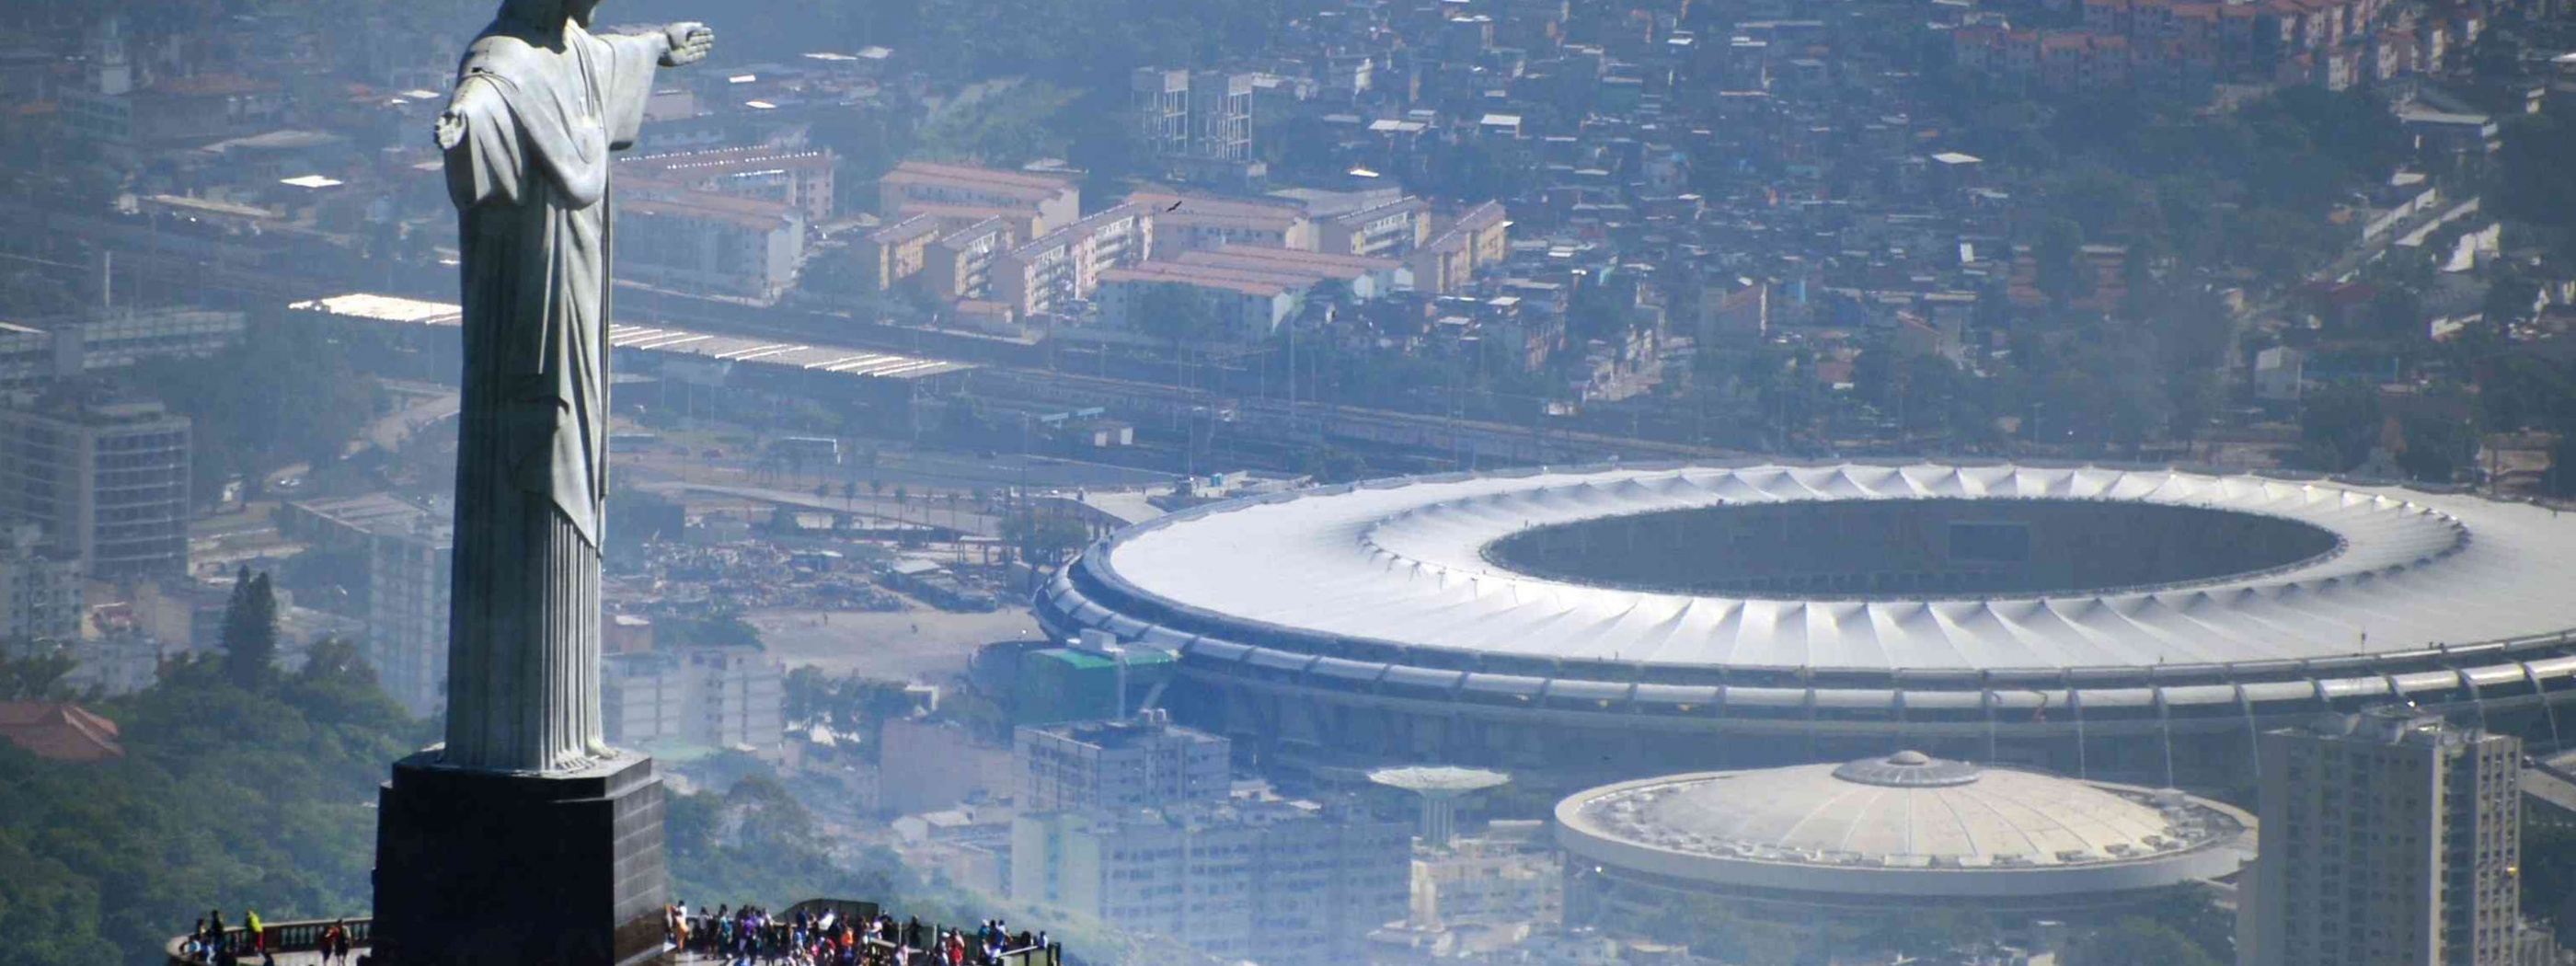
{"x": 700, "y": 241}
{"x": 1389, "y": 229}
{"x": 889, "y": 255}
{"x": 1050, "y": 200}
{"x": 409, "y": 575}
{"x": 1206, "y": 115}
{"x": 1367, "y": 277}
{"x": 799, "y": 179}
{"x": 43, "y": 585}
{"x": 2387, "y": 838}
{"x": 959, "y": 264}
{"x": 106, "y": 478}
{"x": 1477, "y": 239}
{"x": 1246, "y": 305}
{"x": 699, "y": 697}
{"x": 1040, "y": 275}
{"x": 1186, "y": 221}
{"x": 1292, "y": 883}
{"x": 1143, "y": 762}
{"x": 408, "y": 550}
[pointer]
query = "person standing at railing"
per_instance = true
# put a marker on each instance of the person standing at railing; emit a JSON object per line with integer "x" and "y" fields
{"x": 335, "y": 943}
{"x": 257, "y": 938}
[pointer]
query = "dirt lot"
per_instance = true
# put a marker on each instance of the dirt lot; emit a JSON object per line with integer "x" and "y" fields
{"x": 922, "y": 645}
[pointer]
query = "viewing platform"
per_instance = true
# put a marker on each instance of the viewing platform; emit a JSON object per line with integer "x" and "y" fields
{"x": 299, "y": 943}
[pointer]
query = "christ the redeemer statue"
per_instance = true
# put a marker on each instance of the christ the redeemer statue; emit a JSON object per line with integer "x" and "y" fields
{"x": 540, "y": 103}
{"x": 525, "y": 839}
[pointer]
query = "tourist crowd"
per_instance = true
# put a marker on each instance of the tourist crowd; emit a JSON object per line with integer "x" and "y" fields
{"x": 214, "y": 945}
{"x": 752, "y": 936}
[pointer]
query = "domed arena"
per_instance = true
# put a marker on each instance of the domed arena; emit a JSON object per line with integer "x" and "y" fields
{"x": 2140, "y": 624}
{"x": 1881, "y": 833}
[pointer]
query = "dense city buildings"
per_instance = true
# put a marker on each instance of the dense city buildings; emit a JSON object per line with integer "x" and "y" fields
{"x": 2232, "y": 331}
{"x": 2388, "y": 837}
{"x": 107, "y": 478}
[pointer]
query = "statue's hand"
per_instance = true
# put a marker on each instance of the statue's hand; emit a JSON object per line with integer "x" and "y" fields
{"x": 451, "y": 129}
{"x": 689, "y": 43}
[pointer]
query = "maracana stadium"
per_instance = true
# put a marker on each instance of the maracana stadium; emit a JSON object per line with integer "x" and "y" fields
{"x": 2137, "y": 624}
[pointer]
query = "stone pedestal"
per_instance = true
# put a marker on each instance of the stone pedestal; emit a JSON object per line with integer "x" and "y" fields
{"x": 558, "y": 869}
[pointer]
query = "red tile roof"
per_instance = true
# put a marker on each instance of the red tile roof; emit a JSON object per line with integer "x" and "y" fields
{"x": 60, "y": 732}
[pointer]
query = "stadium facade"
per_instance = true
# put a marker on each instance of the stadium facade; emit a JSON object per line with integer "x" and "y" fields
{"x": 2098, "y": 621}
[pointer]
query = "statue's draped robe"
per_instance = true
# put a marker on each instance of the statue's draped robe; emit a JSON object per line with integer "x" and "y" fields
{"x": 530, "y": 183}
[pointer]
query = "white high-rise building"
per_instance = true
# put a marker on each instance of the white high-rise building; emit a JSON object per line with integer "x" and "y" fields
{"x": 1285, "y": 883}
{"x": 409, "y": 571}
{"x": 708, "y": 697}
{"x": 1145, "y": 762}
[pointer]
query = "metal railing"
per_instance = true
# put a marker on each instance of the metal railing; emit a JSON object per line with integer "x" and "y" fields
{"x": 299, "y": 936}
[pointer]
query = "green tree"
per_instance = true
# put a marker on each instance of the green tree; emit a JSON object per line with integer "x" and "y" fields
{"x": 2533, "y": 164}
{"x": 224, "y": 797}
{"x": 2436, "y": 447}
{"x": 1044, "y": 538}
{"x": 2137, "y": 941}
{"x": 850, "y": 704}
{"x": 2338, "y": 425}
{"x": 1176, "y": 315}
{"x": 2548, "y": 879}
{"x": 2063, "y": 273}
{"x": 249, "y": 632}
{"x": 2560, "y": 480}
{"x": 31, "y": 672}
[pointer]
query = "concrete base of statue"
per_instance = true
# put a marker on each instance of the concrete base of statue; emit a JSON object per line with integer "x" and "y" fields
{"x": 482, "y": 867}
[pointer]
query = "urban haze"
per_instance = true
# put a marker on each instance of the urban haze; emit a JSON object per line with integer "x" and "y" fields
{"x": 1288, "y": 482}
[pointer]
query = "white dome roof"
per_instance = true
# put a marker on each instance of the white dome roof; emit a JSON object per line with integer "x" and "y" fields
{"x": 1985, "y": 815}
{"x": 1905, "y": 823}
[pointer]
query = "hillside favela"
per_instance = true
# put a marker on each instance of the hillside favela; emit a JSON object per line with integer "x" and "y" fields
{"x": 1288, "y": 482}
